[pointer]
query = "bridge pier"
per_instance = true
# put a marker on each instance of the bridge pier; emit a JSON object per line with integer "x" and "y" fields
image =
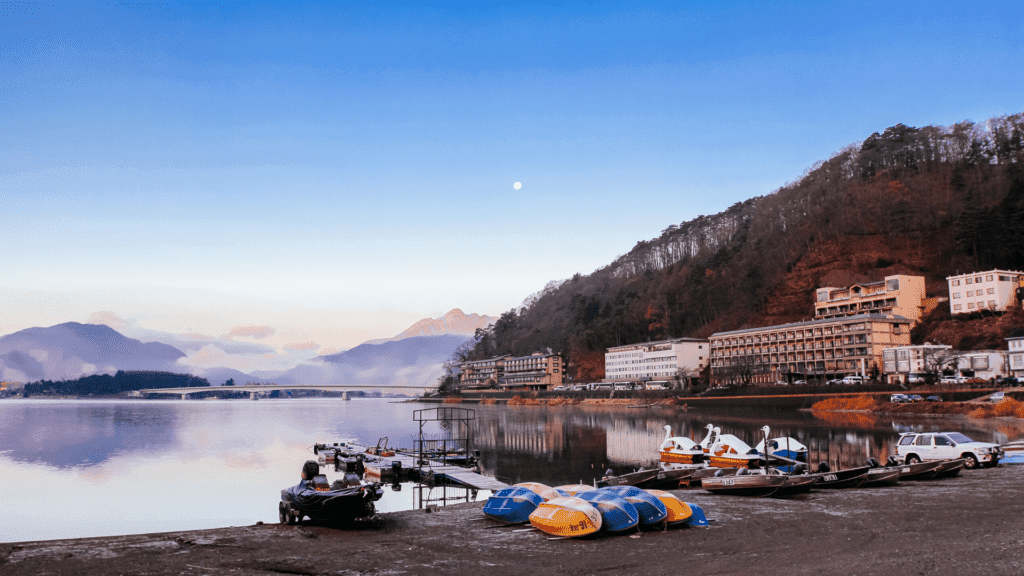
{"x": 184, "y": 396}
{"x": 253, "y": 395}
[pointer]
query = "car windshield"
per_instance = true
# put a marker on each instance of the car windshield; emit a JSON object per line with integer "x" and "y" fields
{"x": 958, "y": 438}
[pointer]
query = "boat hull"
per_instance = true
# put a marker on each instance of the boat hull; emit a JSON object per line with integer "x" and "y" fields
{"x": 617, "y": 514}
{"x": 652, "y": 511}
{"x": 512, "y": 505}
{"x": 744, "y": 485}
{"x": 566, "y": 516}
{"x": 543, "y": 490}
{"x": 920, "y": 470}
{"x": 680, "y": 457}
{"x": 796, "y": 485}
{"x": 672, "y": 479}
{"x": 881, "y": 477}
{"x": 950, "y": 468}
{"x": 638, "y": 478}
{"x": 842, "y": 479}
{"x": 678, "y": 511}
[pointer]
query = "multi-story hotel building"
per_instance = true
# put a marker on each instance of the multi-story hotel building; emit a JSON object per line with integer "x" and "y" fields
{"x": 535, "y": 372}
{"x": 814, "y": 349}
{"x": 661, "y": 360}
{"x": 481, "y": 373}
{"x": 990, "y": 290}
{"x": 898, "y": 295}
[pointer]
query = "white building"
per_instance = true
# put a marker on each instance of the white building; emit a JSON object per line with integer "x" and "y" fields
{"x": 1016, "y": 355}
{"x": 991, "y": 290}
{"x": 661, "y": 360}
{"x": 899, "y": 362}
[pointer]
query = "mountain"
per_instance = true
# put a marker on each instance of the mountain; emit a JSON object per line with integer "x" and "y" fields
{"x": 454, "y": 322}
{"x": 71, "y": 350}
{"x": 930, "y": 201}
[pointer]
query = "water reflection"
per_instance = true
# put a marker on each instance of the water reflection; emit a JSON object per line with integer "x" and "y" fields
{"x": 121, "y": 467}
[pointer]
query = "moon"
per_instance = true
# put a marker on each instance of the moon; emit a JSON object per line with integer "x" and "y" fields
{"x": 517, "y": 185}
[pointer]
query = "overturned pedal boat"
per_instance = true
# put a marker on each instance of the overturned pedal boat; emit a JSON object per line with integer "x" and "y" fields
{"x": 617, "y": 515}
{"x": 566, "y": 516}
{"x": 512, "y": 505}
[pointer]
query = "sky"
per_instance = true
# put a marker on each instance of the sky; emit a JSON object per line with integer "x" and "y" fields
{"x": 318, "y": 175}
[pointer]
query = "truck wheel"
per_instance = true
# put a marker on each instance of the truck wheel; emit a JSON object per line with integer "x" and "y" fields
{"x": 970, "y": 461}
{"x": 913, "y": 459}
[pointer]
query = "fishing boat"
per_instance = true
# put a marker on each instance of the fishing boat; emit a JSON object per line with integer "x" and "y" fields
{"x": 729, "y": 451}
{"x": 796, "y": 484}
{"x": 743, "y": 483}
{"x": 638, "y": 478}
{"x": 701, "y": 473}
{"x": 840, "y": 479}
{"x": 566, "y": 516}
{"x": 679, "y": 449}
{"x": 880, "y": 477}
{"x": 1013, "y": 452}
{"x": 543, "y": 490}
{"x": 951, "y": 468}
{"x": 678, "y": 511}
{"x": 512, "y": 505}
{"x": 617, "y": 514}
{"x": 650, "y": 508}
{"x": 918, "y": 471}
{"x": 673, "y": 476}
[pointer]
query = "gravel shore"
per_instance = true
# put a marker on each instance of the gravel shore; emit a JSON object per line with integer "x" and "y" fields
{"x": 970, "y": 524}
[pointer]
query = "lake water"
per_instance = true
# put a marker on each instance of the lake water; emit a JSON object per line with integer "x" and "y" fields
{"x": 79, "y": 468}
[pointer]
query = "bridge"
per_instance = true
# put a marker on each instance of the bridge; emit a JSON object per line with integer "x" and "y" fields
{"x": 253, "y": 389}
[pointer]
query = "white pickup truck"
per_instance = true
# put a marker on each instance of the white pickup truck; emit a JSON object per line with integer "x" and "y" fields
{"x": 916, "y": 447}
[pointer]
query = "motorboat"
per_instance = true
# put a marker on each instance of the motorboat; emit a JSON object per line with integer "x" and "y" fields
{"x": 796, "y": 484}
{"x": 840, "y": 479}
{"x": 652, "y": 510}
{"x": 1013, "y": 452}
{"x": 917, "y": 471}
{"x": 951, "y": 468}
{"x": 679, "y": 449}
{"x": 617, "y": 514}
{"x": 512, "y": 505}
{"x": 638, "y": 478}
{"x": 566, "y": 516}
{"x": 673, "y": 476}
{"x": 320, "y": 501}
{"x": 744, "y": 483}
{"x": 880, "y": 477}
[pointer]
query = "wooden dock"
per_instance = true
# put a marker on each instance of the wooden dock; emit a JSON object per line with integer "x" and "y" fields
{"x": 403, "y": 466}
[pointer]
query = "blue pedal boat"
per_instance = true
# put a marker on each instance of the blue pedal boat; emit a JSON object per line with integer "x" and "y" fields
{"x": 512, "y": 505}
{"x": 698, "y": 519}
{"x": 617, "y": 514}
{"x": 652, "y": 510}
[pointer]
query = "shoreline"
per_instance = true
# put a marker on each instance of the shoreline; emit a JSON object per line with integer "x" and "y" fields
{"x": 906, "y": 529}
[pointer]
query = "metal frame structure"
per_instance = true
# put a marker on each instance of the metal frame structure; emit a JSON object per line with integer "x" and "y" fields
{"x": 454, "y": 445}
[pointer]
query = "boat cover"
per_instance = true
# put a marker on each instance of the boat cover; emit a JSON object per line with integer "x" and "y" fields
{"x": 345, "y": 502}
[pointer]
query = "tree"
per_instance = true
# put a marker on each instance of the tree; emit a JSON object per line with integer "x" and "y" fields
{"x": 230, "y": 382}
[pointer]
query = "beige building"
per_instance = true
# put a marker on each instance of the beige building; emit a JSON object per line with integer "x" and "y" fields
{"x": 535, "y": 372}
{"x": 828, "y": 348}
{"x": 990, "y": 290}
{"x": 661, "y": 360}
{"x": 899, "y": 295}
{"x": 899, "y": 362}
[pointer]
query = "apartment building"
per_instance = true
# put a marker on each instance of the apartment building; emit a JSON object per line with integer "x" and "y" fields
{"x": 827, "y": 348}
{"x": 899, "y": 362}
{"x": 1015, "y": 357}
{"x": 661, "y": 360}
{"x": 989, "y": 290}
{"x": 899, "y": 295}
{"x": 537, "y": 371}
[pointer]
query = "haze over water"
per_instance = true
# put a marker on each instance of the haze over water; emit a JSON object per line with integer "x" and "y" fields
{"x": 94, "y": 468}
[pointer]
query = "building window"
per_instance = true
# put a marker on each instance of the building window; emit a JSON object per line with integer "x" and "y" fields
{"x": 956, "y": 306}
{"x": 970, "y": 305}
{"x": 991, "y": 290}
{"x": 977, "y": 280}
{"x": 988, "y": 278}
{"x": 955, "y": 283}
{"x": 968, "y": 281}
{"x": 970, "y": 293}
{"x": 956, "y": 294}
{"x": 991, "y": 303}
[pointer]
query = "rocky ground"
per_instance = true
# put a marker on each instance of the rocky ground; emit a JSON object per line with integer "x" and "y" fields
{"x": 970, "y": 524}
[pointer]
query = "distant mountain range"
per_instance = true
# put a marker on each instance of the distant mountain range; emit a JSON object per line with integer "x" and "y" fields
{"x": 67, "y": 351}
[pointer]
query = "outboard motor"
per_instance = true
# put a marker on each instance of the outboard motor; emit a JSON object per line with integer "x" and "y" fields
{"x": 310, "y": 470}
{"x": 892, "y": 461}
{"x": 873, "y": 463}
{"x": 799, "y": 469}
{"x": 351, "y": 476}
{"x": 824, "y": 467}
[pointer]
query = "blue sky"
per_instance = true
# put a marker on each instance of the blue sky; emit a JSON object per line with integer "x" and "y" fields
{"x": 337, "y": 172}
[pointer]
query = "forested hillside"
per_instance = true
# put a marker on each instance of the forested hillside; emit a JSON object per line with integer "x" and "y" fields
{"x": 930, "y": 201}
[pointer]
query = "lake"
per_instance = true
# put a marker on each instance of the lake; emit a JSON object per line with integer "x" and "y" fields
{"x": 95, "y": 468}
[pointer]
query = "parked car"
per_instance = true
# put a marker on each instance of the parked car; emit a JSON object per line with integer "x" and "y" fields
{"x": 899, "y": 398}
{"x": 579, "y": 388}
{"x": 557, "y": 388}
{"x": 655, "y": 386}
{"x": 933, "y": 399}
{"x": 799, "y": 382}
{"x": 853, "y": 380}
{"x": 952, "y": 380}
{"x": 834, "y": 381}
{"x": 997, "y": 397}
{"x": 916, "y": 398}
{"x": 623, "y": 387}
{"x": 915, "y": 379}
{"x": 914, "y": 447}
